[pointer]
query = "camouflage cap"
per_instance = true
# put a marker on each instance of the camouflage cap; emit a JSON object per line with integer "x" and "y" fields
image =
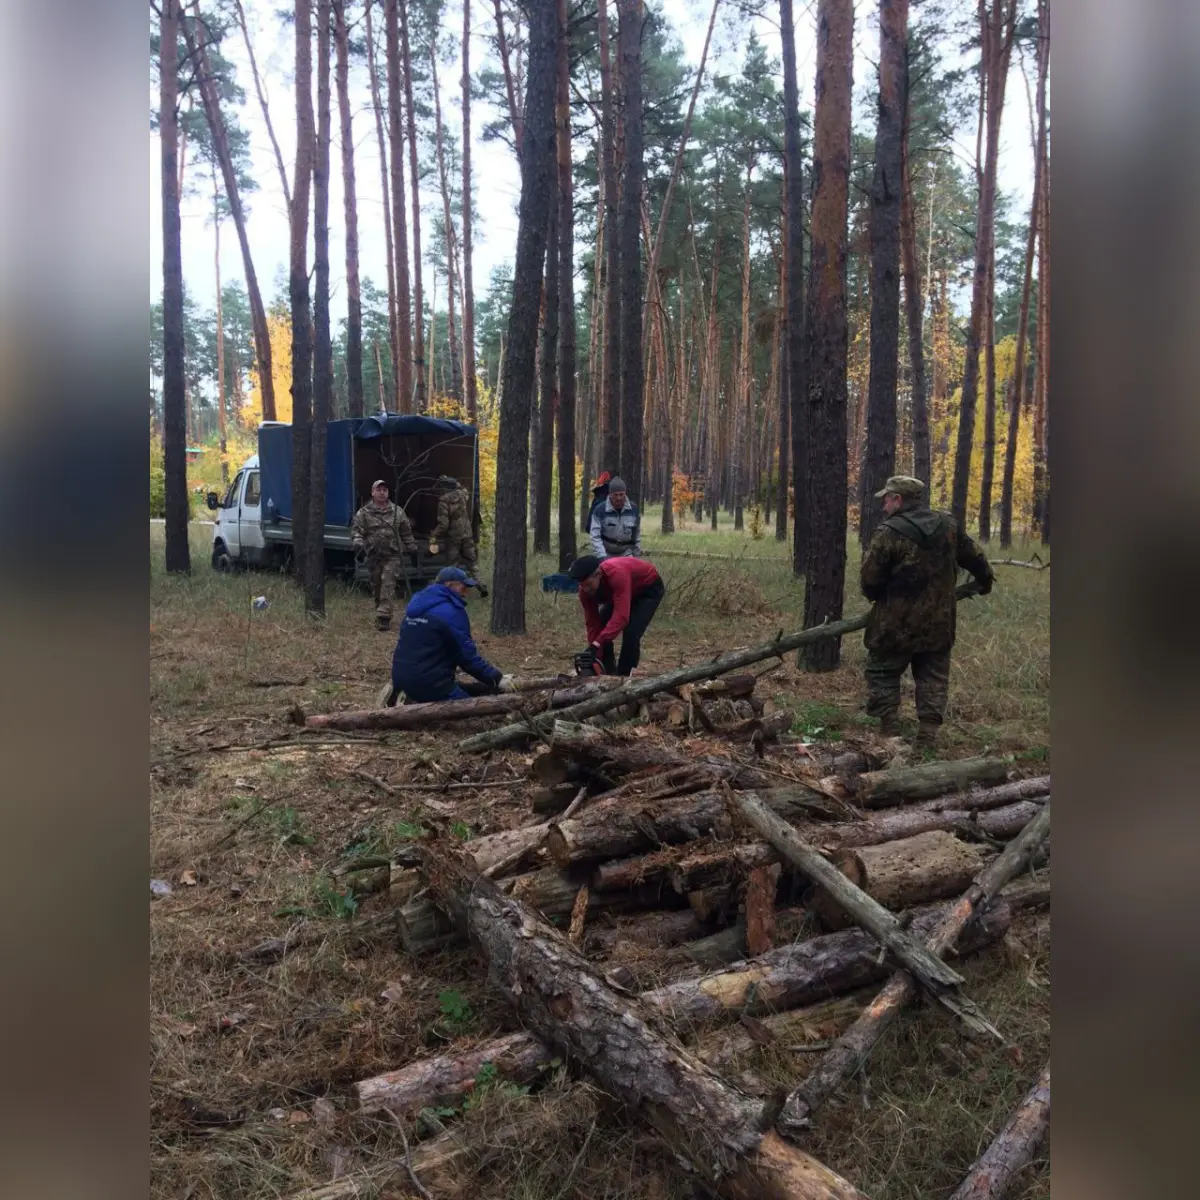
{"x": 902, "y": 485}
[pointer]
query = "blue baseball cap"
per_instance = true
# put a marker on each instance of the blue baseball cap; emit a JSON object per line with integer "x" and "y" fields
{"x": 455, "y": 575}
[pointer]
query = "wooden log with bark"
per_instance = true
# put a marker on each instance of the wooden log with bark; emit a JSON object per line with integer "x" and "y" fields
{"x": 999, "y": 824}
{"x": 899, "y": 785}
{"x": 1014, "y": 1146}
{"x": 900, "y": 874}
{"x": 805, "y": 972}
{"x": 426, "y": 716}
{"x": 640, "y": 689}
{"x": 444, "y": 1079}
{"x": 650, "y": 931}
{"x": 958, "y": 920}
{"x": 729, "y": 945}
{"x": 865, "y": 911}
{"x": 562, "y": 999}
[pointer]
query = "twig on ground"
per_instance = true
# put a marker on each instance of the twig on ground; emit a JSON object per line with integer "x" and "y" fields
{"x": 421, "y": 1189}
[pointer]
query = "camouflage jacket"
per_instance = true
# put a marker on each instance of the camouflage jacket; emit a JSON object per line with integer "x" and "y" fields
{"x": 909, "y": 571}
{"x": 382, "y": 532}
{"x": 453, "y": 516}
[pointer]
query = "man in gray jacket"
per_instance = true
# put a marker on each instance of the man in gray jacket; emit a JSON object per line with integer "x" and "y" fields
{"x": 616, "y": 528}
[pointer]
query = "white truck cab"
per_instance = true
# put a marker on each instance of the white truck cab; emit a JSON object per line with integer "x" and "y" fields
{"x": 238, "y": 532}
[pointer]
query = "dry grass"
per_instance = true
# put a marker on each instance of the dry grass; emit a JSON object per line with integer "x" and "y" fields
{"x": 241, "y": 1053}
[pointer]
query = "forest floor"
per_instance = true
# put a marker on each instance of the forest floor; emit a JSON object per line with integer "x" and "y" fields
{"x": 246, "y": 837}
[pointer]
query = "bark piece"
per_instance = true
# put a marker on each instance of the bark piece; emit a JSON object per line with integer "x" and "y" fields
{"x": 914, "y": 870}
{"x": 868, "y": 913}
{"x": 957, "y": 922}
{"x": 561, "y": 998}
{"x": 760, "y": 908}
{"x": 445, "y": 1079}
{"x": 878, "y": 789}
{"x": 803, "y": 973}
{"x": 579, "y": 911}
{"x": 1013, "y": 1148}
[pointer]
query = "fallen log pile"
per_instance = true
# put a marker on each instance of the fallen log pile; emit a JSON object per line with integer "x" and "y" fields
{"x": 669, "y": 904}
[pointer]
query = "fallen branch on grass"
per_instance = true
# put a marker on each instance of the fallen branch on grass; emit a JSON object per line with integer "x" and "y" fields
{"x": 1013, "y": 1148}
{"x": 854, "y": 1046}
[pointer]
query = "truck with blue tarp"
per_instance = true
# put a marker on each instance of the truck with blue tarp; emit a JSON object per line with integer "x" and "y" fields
{"x": 253, "y": 520}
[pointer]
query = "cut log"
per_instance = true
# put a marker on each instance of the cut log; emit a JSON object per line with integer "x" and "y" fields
{"x": 762, "y": 729}
{"x": 423, "y": 716}
{"x": 729, "y": 945}
{"x": 1013, "y": 1148}
{"x": 915, "y": 870}
{"x": 999, "y": 823}
{"x": 730, "y": 685}
{"x": 827, "y": 1019}
{"x": 760, "y": 908}
{"x": 562, "y": 999}
{"x": 1027, "y": 894}
{"x": 641, "y": 689}
{"x": 1034, "y": 788}
{"x": 713, "y": 904}
{"x": 878, "y": 789}
{"x": 958, "y": 921}
{"x": 610, "y": 829}
{"x": 553, "y": 799}
{"x": 445, "y": 1079}
{"x": 868, "y": 913}
{"x": 651, "y": 931}
{"x": 803, "y": 973}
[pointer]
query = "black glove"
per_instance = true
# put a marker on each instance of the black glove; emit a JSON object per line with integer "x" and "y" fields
{"x": 587, "y": 663}
{"x": 482, "y": 589}
{"x": 985, "y": 585}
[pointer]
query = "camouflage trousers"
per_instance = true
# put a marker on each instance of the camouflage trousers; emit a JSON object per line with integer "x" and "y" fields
{"x": 931, "y": 674}
{"x": 385, "y": 571}
{"x": 460, "y": 552}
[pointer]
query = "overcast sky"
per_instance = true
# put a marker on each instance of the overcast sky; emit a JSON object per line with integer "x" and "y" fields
{"x": 496, "y": 177}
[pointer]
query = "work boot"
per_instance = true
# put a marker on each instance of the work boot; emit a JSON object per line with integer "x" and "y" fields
{"x": 889, "y": 726}
{"x": 383, "y": 624}
{"x": 927, "y": 736}
{"x": 386, "y": 697}
{"x": 482, "y": 589}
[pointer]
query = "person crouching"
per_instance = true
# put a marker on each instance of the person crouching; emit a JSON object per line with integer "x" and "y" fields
{"x": 435, "y": 641}
{"x": 619, "y": 595}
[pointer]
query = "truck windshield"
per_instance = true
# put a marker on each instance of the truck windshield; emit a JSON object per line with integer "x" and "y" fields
{"x": 230, "y": 500}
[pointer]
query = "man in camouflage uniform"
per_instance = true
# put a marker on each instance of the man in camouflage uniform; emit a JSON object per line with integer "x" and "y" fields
{"x": 909, "y": 572}
{"x": 381, "y": 531}
{"x": 452, "y": 532}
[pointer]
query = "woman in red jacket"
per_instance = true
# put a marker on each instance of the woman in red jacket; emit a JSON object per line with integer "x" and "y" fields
{"x": 619, "y": 596}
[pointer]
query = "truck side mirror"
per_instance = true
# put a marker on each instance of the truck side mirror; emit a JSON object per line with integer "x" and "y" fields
{"x": 213, "y": 501}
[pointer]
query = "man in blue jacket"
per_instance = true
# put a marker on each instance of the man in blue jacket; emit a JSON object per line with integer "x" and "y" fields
{"x": 435, "y": 640}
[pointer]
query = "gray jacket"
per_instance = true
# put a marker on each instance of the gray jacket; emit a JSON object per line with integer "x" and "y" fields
{"x": 616, "y": 534}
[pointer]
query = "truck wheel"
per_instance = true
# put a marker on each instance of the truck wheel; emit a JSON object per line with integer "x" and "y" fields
{"x": 221, "y": 560}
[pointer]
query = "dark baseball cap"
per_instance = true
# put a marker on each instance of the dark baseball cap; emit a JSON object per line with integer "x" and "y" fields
{"x": 455, "y": 575}
{"x": 582, "y": 567}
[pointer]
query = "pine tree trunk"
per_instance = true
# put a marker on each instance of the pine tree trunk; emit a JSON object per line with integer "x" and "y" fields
{"x": 632, "y": 379}
{"x": 302, "y": 347}
{"x": 742, "y": 393}
{"x": 922, "y": 467}
{"x": 1041, "y": 516}
{"x": 784, "y": 424}
{"x": 879, "y": 460}
{"x": 988, "y": 467}
{"x": 455, "y": 384}
{"x": 178, "y": 555}
{"x": 797, "y": 365}
{"x": 220, "y": 336}
{"x": 354, "y": 376}
{"x": 566, "y": 301}
{"x": 422, "y": 393}
{"x": 266, "y": 112}
{"x": 543, "y": 450}
{"x": 385, "y": 192}
{"x": 404, "y": 327}
{"x": 314, "y": 571}
{"x": 470, "y": 388}
{"x": 514, "y": 108}
{"x": 996, "y": 29}
{"x": 216, "y": 125}
{"x": 610, "y": 440}
{"x": 825, "y": 557}
{"x": 538, "y": 168}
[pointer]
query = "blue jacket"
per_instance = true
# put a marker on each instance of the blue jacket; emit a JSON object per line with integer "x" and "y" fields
{"x": 435, "y": 639}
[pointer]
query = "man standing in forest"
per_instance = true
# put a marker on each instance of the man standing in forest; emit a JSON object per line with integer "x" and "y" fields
{"x": 619, "y": 595}
{"x": 909, "y": 573}
{"x": 616, "y": 525}
{"x": 381, "y": 531}
{"x": 453, "y": 529}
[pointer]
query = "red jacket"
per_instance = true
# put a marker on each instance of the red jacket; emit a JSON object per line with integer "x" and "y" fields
{"x": 621, "y": 580}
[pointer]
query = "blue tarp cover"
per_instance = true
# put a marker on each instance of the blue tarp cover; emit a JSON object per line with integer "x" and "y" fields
{"x": 373, "y": 427}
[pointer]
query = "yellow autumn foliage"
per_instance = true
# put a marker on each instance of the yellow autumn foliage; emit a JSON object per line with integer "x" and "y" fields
{"x": 944, "y": 436}
{"x": 279, "y": 334}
